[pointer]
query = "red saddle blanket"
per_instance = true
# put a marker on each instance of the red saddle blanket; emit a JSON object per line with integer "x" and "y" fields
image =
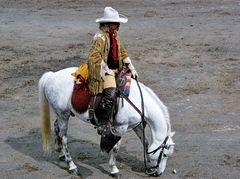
{"x": 80, "y": 97}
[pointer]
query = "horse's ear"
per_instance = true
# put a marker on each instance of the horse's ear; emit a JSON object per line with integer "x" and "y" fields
{"x": 172, "y": 134}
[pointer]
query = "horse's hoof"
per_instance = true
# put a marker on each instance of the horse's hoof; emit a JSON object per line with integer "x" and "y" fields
{"x": 153, "y": 172}
{"x": 116, "y": 175}
{"x": 74, "y": 172}
{"x": 155, "y": 175}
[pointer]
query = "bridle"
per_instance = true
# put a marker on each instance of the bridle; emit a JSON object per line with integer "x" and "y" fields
{"x": 161, "y": 147}
{"x": 153, "y": 170}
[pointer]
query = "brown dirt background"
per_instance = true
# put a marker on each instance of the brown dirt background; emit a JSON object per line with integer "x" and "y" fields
{"x": 187, "y": 51}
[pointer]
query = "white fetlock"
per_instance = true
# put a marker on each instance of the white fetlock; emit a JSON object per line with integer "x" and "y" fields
{"x": 114, "y": 169}
{"x": 72, "y": 166}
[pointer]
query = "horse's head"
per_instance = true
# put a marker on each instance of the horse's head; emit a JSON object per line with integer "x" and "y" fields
{"x": 158, "y": 157}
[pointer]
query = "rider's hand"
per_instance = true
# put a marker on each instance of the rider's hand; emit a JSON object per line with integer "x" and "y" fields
{"x": 134, "y": 73}
{"x": 131, "y": 67}
{"x": 110, "y": 72}
{"x": 105, "y": 70}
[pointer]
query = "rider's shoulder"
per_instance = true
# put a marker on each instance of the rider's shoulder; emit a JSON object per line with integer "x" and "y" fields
{"x": 99, "y": 35}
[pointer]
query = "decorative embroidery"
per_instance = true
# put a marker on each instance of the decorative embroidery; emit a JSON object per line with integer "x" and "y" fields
{"x": 99, "y": 35}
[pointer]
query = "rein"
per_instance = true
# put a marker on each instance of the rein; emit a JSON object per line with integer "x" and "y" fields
{"x": 151, "y": 170}
{"x": 141, "y": 114}
{"x": 144, "y": 125}
{"x": 130, "y": 102}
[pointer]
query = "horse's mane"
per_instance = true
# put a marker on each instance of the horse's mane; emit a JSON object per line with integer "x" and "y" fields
{"x": 161, "y": 105}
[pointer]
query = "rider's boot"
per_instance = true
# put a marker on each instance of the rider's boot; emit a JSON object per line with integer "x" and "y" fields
{"x": 105, "y": 107}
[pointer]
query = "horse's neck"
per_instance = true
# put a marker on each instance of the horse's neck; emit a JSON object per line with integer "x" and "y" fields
{"x": 157, "y": 110}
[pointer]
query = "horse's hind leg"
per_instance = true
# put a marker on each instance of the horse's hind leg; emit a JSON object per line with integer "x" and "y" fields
{"x": 72, "y": 167}
{"x": 61, "y": 126}
{"x": 58, "y": 139}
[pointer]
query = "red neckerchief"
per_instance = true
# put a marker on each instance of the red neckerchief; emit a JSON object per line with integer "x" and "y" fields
{"x": 114, "y": 45}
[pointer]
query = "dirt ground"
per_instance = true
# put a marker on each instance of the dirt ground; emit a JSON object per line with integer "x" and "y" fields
{"x": 187, "y": 51}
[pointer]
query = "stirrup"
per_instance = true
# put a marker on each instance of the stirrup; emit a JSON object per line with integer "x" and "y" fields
{"x": 100, "y": 129}
{"x": 91, "y": 116}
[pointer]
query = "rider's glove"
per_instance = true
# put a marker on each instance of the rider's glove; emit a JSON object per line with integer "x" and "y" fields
{"x": 131, "y": 67}
{"x": 105, "y": 70}
{"x": 110, "y": 72}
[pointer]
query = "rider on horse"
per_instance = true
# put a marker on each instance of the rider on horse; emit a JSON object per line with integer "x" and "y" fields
{"x": 106, "y": 57}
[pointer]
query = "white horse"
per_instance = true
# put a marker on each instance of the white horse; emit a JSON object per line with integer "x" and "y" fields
{"x": 55, "y": 88}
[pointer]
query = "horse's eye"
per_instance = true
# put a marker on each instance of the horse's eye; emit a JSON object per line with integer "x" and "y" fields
{"x": 164, "y": 155}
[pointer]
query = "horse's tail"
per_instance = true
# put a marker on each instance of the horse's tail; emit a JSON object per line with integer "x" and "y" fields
{"x": 45, "y": 114}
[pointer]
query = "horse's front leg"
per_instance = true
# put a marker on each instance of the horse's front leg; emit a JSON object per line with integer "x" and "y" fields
{"x": 141, "y": 135}
{"x": 120, "y": 130}
{"x": 114, "y": 171}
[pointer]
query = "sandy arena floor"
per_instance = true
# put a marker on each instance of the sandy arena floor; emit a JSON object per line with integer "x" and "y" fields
{"x": 187, "y": 51}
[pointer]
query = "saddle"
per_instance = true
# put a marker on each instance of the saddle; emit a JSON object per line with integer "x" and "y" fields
{"x": 82, "y": 100}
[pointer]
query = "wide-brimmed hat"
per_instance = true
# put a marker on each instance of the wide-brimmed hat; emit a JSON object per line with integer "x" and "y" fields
{"x": 111, "y": 15}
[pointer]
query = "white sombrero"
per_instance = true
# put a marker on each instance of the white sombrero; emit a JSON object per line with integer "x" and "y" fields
{"x": 111, "y": 15}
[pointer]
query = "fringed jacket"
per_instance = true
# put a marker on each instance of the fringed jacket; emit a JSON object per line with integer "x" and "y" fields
{"x": 100, "y": 51}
